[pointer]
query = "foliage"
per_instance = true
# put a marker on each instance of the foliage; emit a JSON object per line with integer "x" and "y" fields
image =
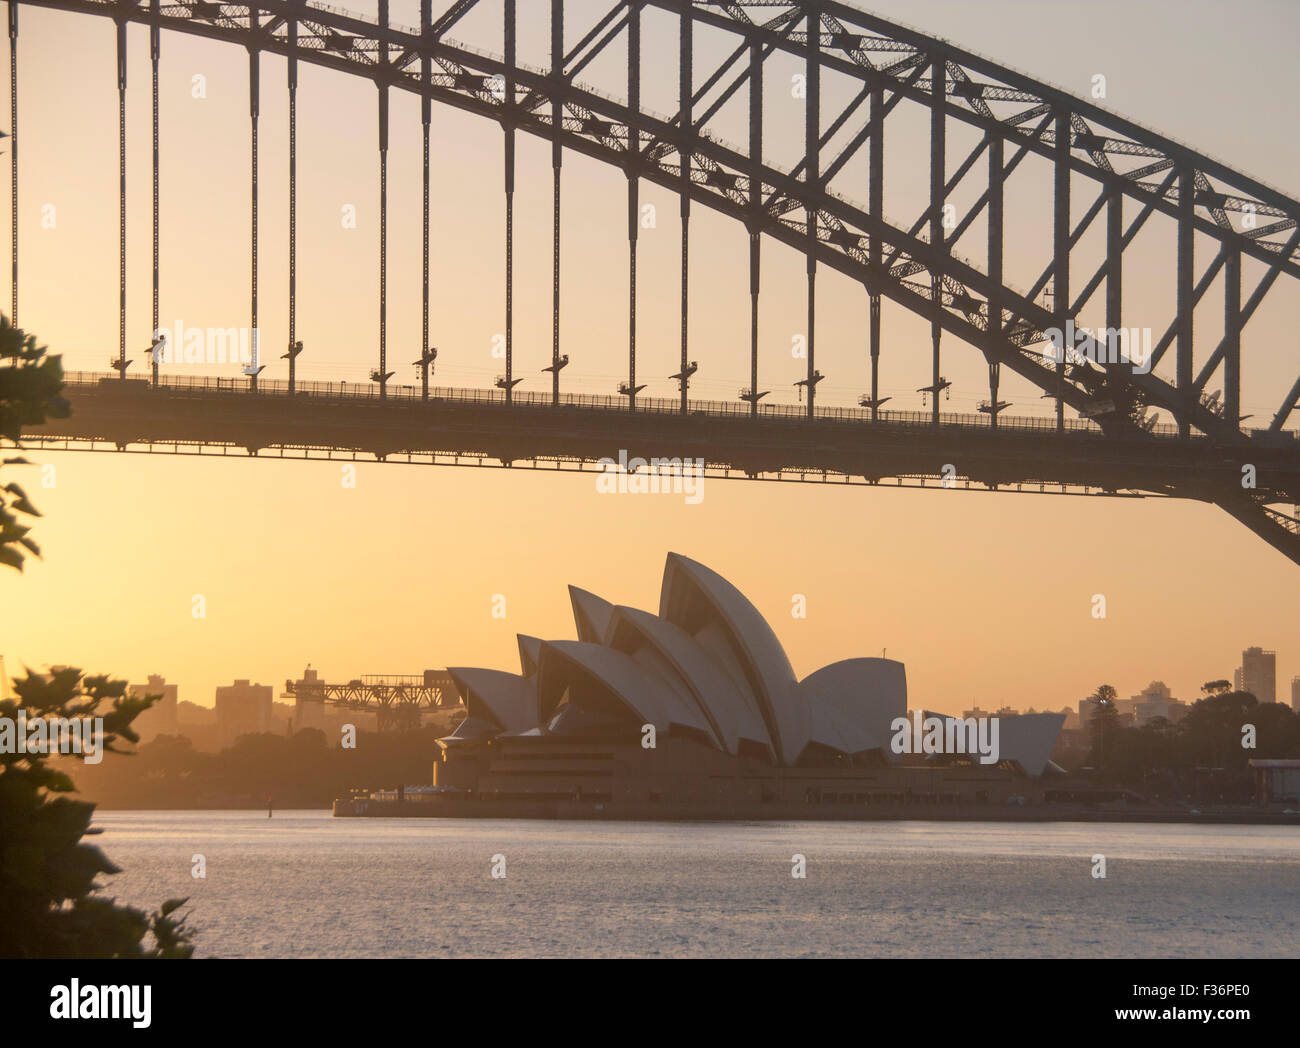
{"x": 305, "y": 770}
{"x": 29, "y": 393}
{"x": 49, "y": 901}
{"x": 1104, "y": 726}
{"x": 1207, "y": 738}
{"x": 50, "y": 904}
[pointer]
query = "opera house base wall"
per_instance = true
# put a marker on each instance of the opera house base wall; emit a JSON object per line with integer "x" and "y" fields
{"x": 684, "y": 778}
{"x": 917, "y": 810}
{"x": 447, "y": 808}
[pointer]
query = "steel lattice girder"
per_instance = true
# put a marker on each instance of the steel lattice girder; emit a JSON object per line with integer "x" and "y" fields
{"x": 851, "y": 42}
{"x": 1162, "y": 176}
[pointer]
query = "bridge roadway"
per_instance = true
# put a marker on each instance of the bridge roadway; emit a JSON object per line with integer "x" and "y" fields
{"x": 478, "y": 427}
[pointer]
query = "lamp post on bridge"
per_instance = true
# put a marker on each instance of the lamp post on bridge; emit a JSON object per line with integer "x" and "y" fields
{"x": 295, "y": 348}
{"x": 507, "y": 381}
{"x": 424, "y": 364}
{"x": 558, "y": 364}
{"x": 683, "y": 377}
{"x": 381, "y": 374}
{"x": 254, "y": 108}
{"x": 558, "y": 361}
{"x": 155, "y": 351}
{"x": 121, "y": 364}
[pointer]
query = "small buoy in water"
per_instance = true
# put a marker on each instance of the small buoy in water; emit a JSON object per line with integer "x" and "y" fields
{"x": 269, "y": 806}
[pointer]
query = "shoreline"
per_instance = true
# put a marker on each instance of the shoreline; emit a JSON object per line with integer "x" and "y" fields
{"x": 363, "y": 808}
{"x": 350, "y": 808}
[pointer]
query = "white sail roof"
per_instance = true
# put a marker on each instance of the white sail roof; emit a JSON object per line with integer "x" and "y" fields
{"x": 691, "y": 597}
{"x": 731, "y": 712}
{"x": 708, "y": 663}
{"x": 590, "y": 614}
{"x": 645, "y": 695}
{"x": 506, "y": 699}
{"x": 852, "y": 703}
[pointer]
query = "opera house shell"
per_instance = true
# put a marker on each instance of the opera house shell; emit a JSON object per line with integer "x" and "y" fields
{"x": 697, "y": 705}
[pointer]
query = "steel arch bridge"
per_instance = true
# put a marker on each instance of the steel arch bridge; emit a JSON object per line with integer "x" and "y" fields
{"x": 1130, "y": 175}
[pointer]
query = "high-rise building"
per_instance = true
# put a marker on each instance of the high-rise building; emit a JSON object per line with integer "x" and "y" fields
{"x": 1155, "y": 701}
{"x": 1258, "y": 674}
{"x": 1087, "y": 708}
{"x": 243, "y": 709}
{"x": 160, "y": 718}
{"x": 1157, "y": 689}
{"x": 307, "y": 713}
{"x": 1295, "y": 694}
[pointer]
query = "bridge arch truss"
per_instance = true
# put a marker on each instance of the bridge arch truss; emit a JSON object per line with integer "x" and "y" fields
{"x": 1133, "y": 174}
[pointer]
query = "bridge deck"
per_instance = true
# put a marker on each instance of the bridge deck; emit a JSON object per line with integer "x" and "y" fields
{"x": 469, "y": 425}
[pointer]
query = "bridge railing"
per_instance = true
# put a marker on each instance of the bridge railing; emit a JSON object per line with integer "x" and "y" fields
{"x": 404, "y": 394}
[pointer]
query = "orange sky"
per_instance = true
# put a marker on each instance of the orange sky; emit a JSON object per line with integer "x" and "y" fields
{"x": 987, "y": 598}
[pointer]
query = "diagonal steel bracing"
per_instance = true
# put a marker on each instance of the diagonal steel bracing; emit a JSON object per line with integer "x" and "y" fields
{"x": 914, "y": 265}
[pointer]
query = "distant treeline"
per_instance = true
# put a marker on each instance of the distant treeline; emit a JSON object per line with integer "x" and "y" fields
{"x": 1203, "y": 756}
{"x": 298, "y": 771}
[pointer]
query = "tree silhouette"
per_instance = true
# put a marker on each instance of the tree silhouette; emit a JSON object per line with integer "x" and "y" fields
{"x": 50, "y": 901}
{"x": 1103, "y": 725}
{"x": 29, "y": 393}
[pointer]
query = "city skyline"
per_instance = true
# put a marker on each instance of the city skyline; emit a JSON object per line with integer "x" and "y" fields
{"x": 168, "y": 687}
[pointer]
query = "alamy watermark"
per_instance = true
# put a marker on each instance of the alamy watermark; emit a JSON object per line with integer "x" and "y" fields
{"x": 82, "y": 735}
{"x": 656, "y": 476}
{"x": 1107, "y": 346}
{"x": 182, "y": 344}
{"x": 974, "y": 735}
{"x": 94, "y": 1001}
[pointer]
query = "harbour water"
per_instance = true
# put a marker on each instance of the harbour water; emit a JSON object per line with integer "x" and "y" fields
{"x": 303, "y": 884}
